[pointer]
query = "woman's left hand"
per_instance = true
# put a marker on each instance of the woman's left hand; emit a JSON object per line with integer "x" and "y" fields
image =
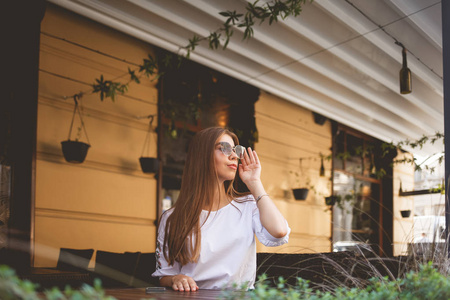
{"x": 250, "y": 168}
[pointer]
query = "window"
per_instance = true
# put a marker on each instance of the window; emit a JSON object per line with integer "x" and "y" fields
{"x": 359, "y": 211}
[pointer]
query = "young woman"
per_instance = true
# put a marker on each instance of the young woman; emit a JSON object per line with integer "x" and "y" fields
{"x": 207, "y": 240}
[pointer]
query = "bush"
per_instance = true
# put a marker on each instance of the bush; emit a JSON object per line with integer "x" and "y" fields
{"x": 13, "y": 288}
{"x": 426, "y": 283}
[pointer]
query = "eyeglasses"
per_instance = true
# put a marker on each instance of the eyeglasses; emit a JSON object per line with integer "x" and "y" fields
{"x": 226, "y": 149}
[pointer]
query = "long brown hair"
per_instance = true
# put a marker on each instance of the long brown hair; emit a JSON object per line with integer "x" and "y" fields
{"x": 182, "y": 240}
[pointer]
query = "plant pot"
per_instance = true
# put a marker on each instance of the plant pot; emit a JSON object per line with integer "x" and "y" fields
{"x": 405, "y": 213}
{"x": 319, "y": 119}
{"x": 300, "y": 194}
{"x": 74, "y": 151}
{"x": 149, "y": 164}
{"x": 331, "y": 200}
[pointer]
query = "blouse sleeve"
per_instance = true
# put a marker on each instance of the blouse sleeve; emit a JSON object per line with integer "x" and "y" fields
{"x": 162, "y": 266}
{"x": 263, "y": 235}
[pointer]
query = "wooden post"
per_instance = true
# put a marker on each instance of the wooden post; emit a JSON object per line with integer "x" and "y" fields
{"x": 20, "y": 24}
{"x": 446, "y": 69}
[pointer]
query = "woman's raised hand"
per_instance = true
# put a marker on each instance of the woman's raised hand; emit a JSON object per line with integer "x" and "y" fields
{"x": 250, "y": 168}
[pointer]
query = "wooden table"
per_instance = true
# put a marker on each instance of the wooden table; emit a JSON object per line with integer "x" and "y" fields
{"x": 139, "y": 293}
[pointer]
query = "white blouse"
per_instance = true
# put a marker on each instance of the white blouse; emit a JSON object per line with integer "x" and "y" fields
{"x": 228, "y": 250}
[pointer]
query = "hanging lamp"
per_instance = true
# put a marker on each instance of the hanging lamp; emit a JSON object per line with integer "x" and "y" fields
{"x": 322, "y": 168}
{"x": 405, "y": 73}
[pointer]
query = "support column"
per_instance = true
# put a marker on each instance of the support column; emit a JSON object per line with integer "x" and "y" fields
{"x": 446, "y": 67}
{"x": 20, "y": 26}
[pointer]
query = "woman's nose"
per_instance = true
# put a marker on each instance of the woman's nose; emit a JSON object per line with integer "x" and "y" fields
{"x": 233, "y": 155}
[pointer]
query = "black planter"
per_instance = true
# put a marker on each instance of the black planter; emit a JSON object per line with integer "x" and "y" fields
{"x": 300, "y": 194}
{"x": 405, "y": 213}
{"x": 74, "y": 151}
{"x": 319, "y": 119}
{"x": 149, "y": 164}
{"x": 331, "y": 200}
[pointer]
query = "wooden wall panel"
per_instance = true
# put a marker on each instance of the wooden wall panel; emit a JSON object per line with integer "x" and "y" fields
{"x": 83, "y": 231}
{"x": 105, "y": 203}
{"x": 403, "y": 227}
{"x": 287, "y": 133}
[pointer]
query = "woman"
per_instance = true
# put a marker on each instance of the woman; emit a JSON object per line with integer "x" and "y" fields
{"x": 207, "y": 240}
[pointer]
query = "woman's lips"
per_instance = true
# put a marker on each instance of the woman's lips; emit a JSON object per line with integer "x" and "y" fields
{"x": 234, "y": 167}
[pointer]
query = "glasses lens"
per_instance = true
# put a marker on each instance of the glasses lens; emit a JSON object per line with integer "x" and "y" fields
{"x": 226, "y": 148}
{"x": 239, "y": 150}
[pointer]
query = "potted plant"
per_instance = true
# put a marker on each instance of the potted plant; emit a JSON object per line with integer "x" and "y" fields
{"x": 75, "y": 151}
{"x": 332, "y": 200}
{"x": 405, "y": 213}
{"x": 301, "y": 193}
{"x": 148, "y": 164}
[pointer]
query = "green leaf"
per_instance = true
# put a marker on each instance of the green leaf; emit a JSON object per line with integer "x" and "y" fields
{"x": 133, "y": 76}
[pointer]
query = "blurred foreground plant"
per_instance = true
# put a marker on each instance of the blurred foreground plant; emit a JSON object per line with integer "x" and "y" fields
{"x": 13, "y": 288}
{"x": 426, "y": 283}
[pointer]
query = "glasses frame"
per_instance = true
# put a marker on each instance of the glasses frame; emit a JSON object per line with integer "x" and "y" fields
{"x": 238, "y": 149}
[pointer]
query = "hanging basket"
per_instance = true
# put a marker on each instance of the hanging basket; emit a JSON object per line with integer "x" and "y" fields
{"x": 149, "y": 164}
{"x": 319, "y": 119}
{"x": 74, "y": 151}
{"x": 405, "y": 213}
{"x": 300, "y": 194}
{"x": 331, "y": 200}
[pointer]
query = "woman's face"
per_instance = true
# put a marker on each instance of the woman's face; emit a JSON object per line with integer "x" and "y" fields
{"x": 226, "y": 165}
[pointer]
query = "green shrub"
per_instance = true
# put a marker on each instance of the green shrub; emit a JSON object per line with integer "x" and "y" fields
{"x": 13, "y": 288}
{"x": 427, "y": 283}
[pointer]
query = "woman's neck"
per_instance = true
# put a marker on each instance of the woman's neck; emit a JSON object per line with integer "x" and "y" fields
{"x": 220, "y": 198}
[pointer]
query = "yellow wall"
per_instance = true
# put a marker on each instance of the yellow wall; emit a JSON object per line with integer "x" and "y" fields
{"x": 287, "y": 133}
{"x": 105, "y": 203}
{"x": 403, "y": 227}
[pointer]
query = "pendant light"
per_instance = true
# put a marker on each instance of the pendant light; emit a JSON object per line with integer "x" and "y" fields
{"x": 405, "y": 73}
{"x": 322, "y": 168}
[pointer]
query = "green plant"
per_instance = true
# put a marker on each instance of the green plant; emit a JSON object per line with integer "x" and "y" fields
{"x": 340, "y": 200}
{"x": 417, "y": 144}
{"x": 152, "y": 66}
{"x": 272, "y": 11}
{"x": 426, "y": 283}
{"x": 13, "y": 288}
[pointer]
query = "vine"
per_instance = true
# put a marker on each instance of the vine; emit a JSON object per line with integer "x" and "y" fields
{"x": 417, "y": 144}
{"x": 271, "y": 11}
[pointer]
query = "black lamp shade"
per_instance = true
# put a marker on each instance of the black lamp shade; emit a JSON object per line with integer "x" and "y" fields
{"x": 405, "y": 76}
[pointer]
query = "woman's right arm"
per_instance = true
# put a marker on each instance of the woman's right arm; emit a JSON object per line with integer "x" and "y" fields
{"x": 179, "y": 282}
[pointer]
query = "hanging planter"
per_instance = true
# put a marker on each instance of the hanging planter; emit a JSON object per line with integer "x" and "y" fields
{"x": 319, "y": 119}
{"x": 405, "y": 213}
{"x": 75, "y": 151}
{"x": 148, "y": 164}
{"x": 331, "y": 200}
{"x": 300, "y": 194}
